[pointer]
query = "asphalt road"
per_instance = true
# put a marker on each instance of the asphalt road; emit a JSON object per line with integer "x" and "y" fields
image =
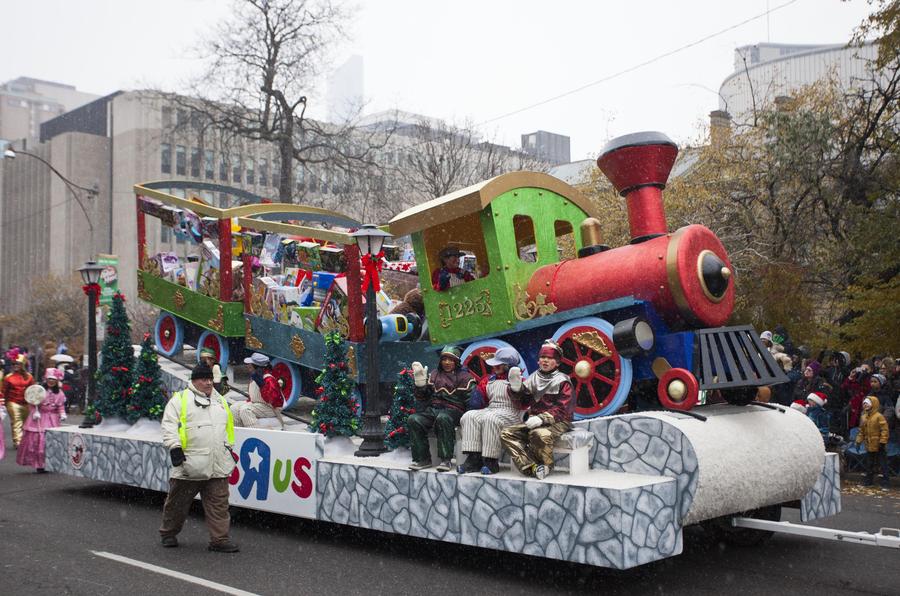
{"x": 51, "y": 526}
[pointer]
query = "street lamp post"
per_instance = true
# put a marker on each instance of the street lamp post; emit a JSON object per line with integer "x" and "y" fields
{"x": 90, "y": 275}
{"x": 11, "y": 153}
{"x": 370, "y": 239}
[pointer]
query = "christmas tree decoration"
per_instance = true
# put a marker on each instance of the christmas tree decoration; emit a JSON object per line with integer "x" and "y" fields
{"x": 117, "y": 368}
{"x": 403, "y": 405}
{"x": 337, "y": 411}
{"x": 148, "y": 397}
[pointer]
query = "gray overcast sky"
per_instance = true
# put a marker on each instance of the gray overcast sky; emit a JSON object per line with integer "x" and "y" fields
{"x": 463, "y": 60}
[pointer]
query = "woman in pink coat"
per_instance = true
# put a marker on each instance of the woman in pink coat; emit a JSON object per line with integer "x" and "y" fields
{"x": 48, "y": 414}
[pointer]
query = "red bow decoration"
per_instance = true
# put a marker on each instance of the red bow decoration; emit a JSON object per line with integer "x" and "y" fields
{"x": 372, "y": 266}
{"x": 94, "y": 289}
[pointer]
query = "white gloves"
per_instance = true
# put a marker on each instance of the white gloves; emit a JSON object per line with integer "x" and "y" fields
{"x": 36, "y": 415}
{"x": 63, "y": 416}
{"x": 515, "y": 379}
{"x": 534, "y": 422}
{"x": 2, "y": 413}
{"x": 420, "y": 374}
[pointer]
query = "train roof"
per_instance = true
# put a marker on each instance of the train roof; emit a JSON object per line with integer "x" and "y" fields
{"x": 478, "y": 196}
{"x": 269, "y": 217}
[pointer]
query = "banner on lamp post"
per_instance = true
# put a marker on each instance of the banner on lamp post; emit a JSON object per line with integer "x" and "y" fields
{"x": 109, "y": 277}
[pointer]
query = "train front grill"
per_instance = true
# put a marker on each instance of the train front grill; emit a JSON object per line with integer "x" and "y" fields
{"x": 734, "y": 357}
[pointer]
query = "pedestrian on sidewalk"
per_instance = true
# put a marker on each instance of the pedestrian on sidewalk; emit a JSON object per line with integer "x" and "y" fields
{"x": 873, "y": 431}
{"x": 47, "y": 414}
{"x": 198, "y": 431}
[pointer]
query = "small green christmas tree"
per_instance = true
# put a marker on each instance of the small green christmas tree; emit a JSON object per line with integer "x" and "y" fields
{"x": 337, "y": 413}
{"x": 404, "y": 404}
{"x": 116, "y": 370}
{"x": 148, "y": 397}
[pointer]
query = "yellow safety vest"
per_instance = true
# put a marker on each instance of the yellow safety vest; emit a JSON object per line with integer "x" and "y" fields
{"x": 182, "y": 422}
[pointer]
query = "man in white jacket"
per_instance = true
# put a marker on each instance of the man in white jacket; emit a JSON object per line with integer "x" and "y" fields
{"x": 198, "y": 431}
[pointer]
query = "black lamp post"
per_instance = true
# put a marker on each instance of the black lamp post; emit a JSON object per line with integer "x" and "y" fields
{"x": 90, "y": 275}
{"x": 370, "y": 239}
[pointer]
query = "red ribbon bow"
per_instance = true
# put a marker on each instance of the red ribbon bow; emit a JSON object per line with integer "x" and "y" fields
{"x": 94, "y": 289}
{"x": 372, "y": 266}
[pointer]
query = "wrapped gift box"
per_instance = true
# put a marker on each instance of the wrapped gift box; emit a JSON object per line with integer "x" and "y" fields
{"x": 333, "y": 259}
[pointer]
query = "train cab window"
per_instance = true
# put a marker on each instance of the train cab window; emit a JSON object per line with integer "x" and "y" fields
{"x": 565, "y": 239}
{"x": 526, "y": 247}
{"x": 456, "y": 252}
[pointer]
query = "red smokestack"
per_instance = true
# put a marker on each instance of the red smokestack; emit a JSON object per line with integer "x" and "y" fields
{"x": 638, "y": 165}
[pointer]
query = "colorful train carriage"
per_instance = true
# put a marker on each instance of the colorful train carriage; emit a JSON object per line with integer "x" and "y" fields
{"x": 206, "y": 304}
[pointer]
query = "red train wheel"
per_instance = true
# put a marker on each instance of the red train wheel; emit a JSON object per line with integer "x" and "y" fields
{"x": 678, "y": 389}
{"x": 217, "y": 344}
{"x": 601, "y": 377}
{"x": 168, "y": 333}
{"x": 289, "y": 378}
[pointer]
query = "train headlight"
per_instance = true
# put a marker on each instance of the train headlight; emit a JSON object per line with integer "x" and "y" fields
{"x": 713, "y": 274}
{"x": 633, "y": 336}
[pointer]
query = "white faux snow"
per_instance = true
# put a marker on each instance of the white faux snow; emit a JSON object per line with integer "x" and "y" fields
{"x": 400, "y": 454}
{"x": 113, "y": 425}
{"x": 340, "y": 447}
{"x": 146, "y": 429}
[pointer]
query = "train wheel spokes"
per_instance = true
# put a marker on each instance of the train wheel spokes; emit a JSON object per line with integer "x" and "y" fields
{"x": 288, "y": 376}
{"x": 475, "y": 357}
{"x": 601, "y": 377}
{"x": 168, "y": 334}
{"x": 217, "y": 344}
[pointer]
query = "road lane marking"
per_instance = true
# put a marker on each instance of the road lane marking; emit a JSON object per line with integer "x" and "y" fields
{"x": 176, "y": 574}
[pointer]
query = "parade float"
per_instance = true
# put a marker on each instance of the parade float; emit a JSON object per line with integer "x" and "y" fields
{"x": 641, "y": 320}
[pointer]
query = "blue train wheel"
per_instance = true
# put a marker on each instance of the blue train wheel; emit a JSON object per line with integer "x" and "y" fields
{"x": 601, "y": 377}
{"x": 168, "y": 333}
{"x": 288, "y": 376}
{"x": 217, "y": 344}
{"x": 475, "y": 357}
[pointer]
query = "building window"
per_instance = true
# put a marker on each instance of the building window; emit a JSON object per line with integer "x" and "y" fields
{"x": 181, "y": 116}
{"x": 223, "y": 168}
{"x": 276, "y": 173}
{"x": 236, "y": 168}
{"x": 165, "y": 158}
{"x": 180, "y": 160}
{"x": 299, "y": 178}
{"x": 195, "y": 162}
{"x": 167, "y": 117}
{"x": 263, "y": 171}
{"x": 525, "y": 245}
{"x": 209, "y": 162}
{"x": 251, "y": 171}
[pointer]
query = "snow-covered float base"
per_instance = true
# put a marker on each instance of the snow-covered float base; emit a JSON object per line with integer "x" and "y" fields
{"x": 652, "y": 473}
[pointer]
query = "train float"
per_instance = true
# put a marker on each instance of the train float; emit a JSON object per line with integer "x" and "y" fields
{"x": 647, "y": 314}
{"x": 644, "y": 319}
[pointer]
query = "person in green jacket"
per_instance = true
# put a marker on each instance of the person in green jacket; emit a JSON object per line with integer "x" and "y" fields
{"x": 441, "y": 400}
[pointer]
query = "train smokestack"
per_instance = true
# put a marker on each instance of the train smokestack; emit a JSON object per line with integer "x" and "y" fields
{"x": 638, "y": 165}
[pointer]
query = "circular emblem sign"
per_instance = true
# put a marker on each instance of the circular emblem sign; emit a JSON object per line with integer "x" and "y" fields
{"x": 76, "y": 450}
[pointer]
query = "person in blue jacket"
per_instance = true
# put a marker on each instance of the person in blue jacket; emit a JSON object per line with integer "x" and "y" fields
{"x": 818, "y": 414}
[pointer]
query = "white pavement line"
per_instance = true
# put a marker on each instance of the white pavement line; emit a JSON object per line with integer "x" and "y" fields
{"x": 176, "y": 574}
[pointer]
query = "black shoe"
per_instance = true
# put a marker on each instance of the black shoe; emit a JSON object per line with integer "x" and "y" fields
{"x": 473, "y": 463}
{"x": 169, "y": 541}
{"x": 491, "y": 466}
{"x": 224, "y": 547}
{"x": 444, "y": 466}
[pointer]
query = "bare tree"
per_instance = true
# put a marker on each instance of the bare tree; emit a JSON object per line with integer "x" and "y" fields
{"x": 262, "y": 62}
{"x": 440, "y": 158}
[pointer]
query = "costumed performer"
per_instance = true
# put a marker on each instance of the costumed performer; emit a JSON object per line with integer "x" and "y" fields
{"x": 547, "y": 397}
{"x": 14, "y": 386}
{"x": 266, "y": 398}
{"x": 449, "y": 274}
{"x": 492, "y": 409}
{"x": 48, "y": 411}
{"x": 441, "y": 401}
{"x": 198, "y": 431}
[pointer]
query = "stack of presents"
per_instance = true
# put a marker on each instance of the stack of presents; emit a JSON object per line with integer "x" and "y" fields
{"x": 298, "y": 282}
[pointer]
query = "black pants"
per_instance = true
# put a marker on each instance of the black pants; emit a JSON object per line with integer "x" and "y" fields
{"x": 874, "y": 458}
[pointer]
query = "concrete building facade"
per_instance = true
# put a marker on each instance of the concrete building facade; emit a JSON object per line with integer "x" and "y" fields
{"x": 547, "y": 146}
{"x": 765, "y": 71}
{"x": 26, "y": 103}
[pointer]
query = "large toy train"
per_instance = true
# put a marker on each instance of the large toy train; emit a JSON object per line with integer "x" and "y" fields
{"x": 645, "y": 317}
